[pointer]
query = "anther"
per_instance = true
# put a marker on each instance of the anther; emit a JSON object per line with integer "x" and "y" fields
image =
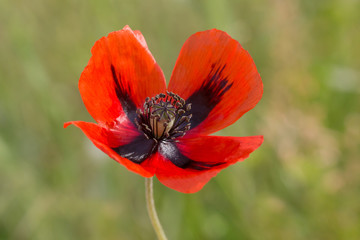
{"x": 180, "y": 111}
{"x": 179, "y": 105}
{"x": 188, "y": 107}
{"x": 183, "y": 118}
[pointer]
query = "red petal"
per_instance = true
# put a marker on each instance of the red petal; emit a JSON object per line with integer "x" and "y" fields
{"x": 139, "y": 37}
{"x": 120, "y": 61}
{"x": 219, "y": 78}
{"x": 211, "y": 153}
{"x": 106, "y": 139}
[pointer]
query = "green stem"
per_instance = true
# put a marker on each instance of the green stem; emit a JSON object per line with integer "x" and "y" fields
{"x": 151, "y": 209}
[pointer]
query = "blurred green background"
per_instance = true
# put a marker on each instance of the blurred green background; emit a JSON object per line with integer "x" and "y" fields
{"x": 303, "y": 183}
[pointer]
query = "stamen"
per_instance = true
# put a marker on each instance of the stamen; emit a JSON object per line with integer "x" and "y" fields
{"x": 188, "y": 107}
{"x": 181, "y": 111}
{"x": 164, "y": 117}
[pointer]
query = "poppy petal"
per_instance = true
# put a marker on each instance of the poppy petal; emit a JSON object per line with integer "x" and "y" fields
{"x": 138, "y": 150}
{"x": 218, "y": 77}
{"x": 119, "y": 76}
{"x": 189, "y": 164}
{"x": 139, "y": 37}
{"x": 110, "y": 141}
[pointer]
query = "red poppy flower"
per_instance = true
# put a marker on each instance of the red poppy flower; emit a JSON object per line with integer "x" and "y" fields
{"x": 152, "y": 130}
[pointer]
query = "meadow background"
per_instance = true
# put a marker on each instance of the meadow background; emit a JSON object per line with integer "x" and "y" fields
{"x": 303, "y": 183}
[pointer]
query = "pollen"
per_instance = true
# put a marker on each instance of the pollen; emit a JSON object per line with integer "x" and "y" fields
{"x": 164, "y": 117}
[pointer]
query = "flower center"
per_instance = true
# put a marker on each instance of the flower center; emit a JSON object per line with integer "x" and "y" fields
{"x": 165, "y": 116}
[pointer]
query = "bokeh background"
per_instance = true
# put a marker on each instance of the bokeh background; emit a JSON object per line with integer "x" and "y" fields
{"x": 303, "y": 183}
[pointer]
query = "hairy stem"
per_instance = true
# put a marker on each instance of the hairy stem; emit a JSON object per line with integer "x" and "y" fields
{"x": 151, "y": 209}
